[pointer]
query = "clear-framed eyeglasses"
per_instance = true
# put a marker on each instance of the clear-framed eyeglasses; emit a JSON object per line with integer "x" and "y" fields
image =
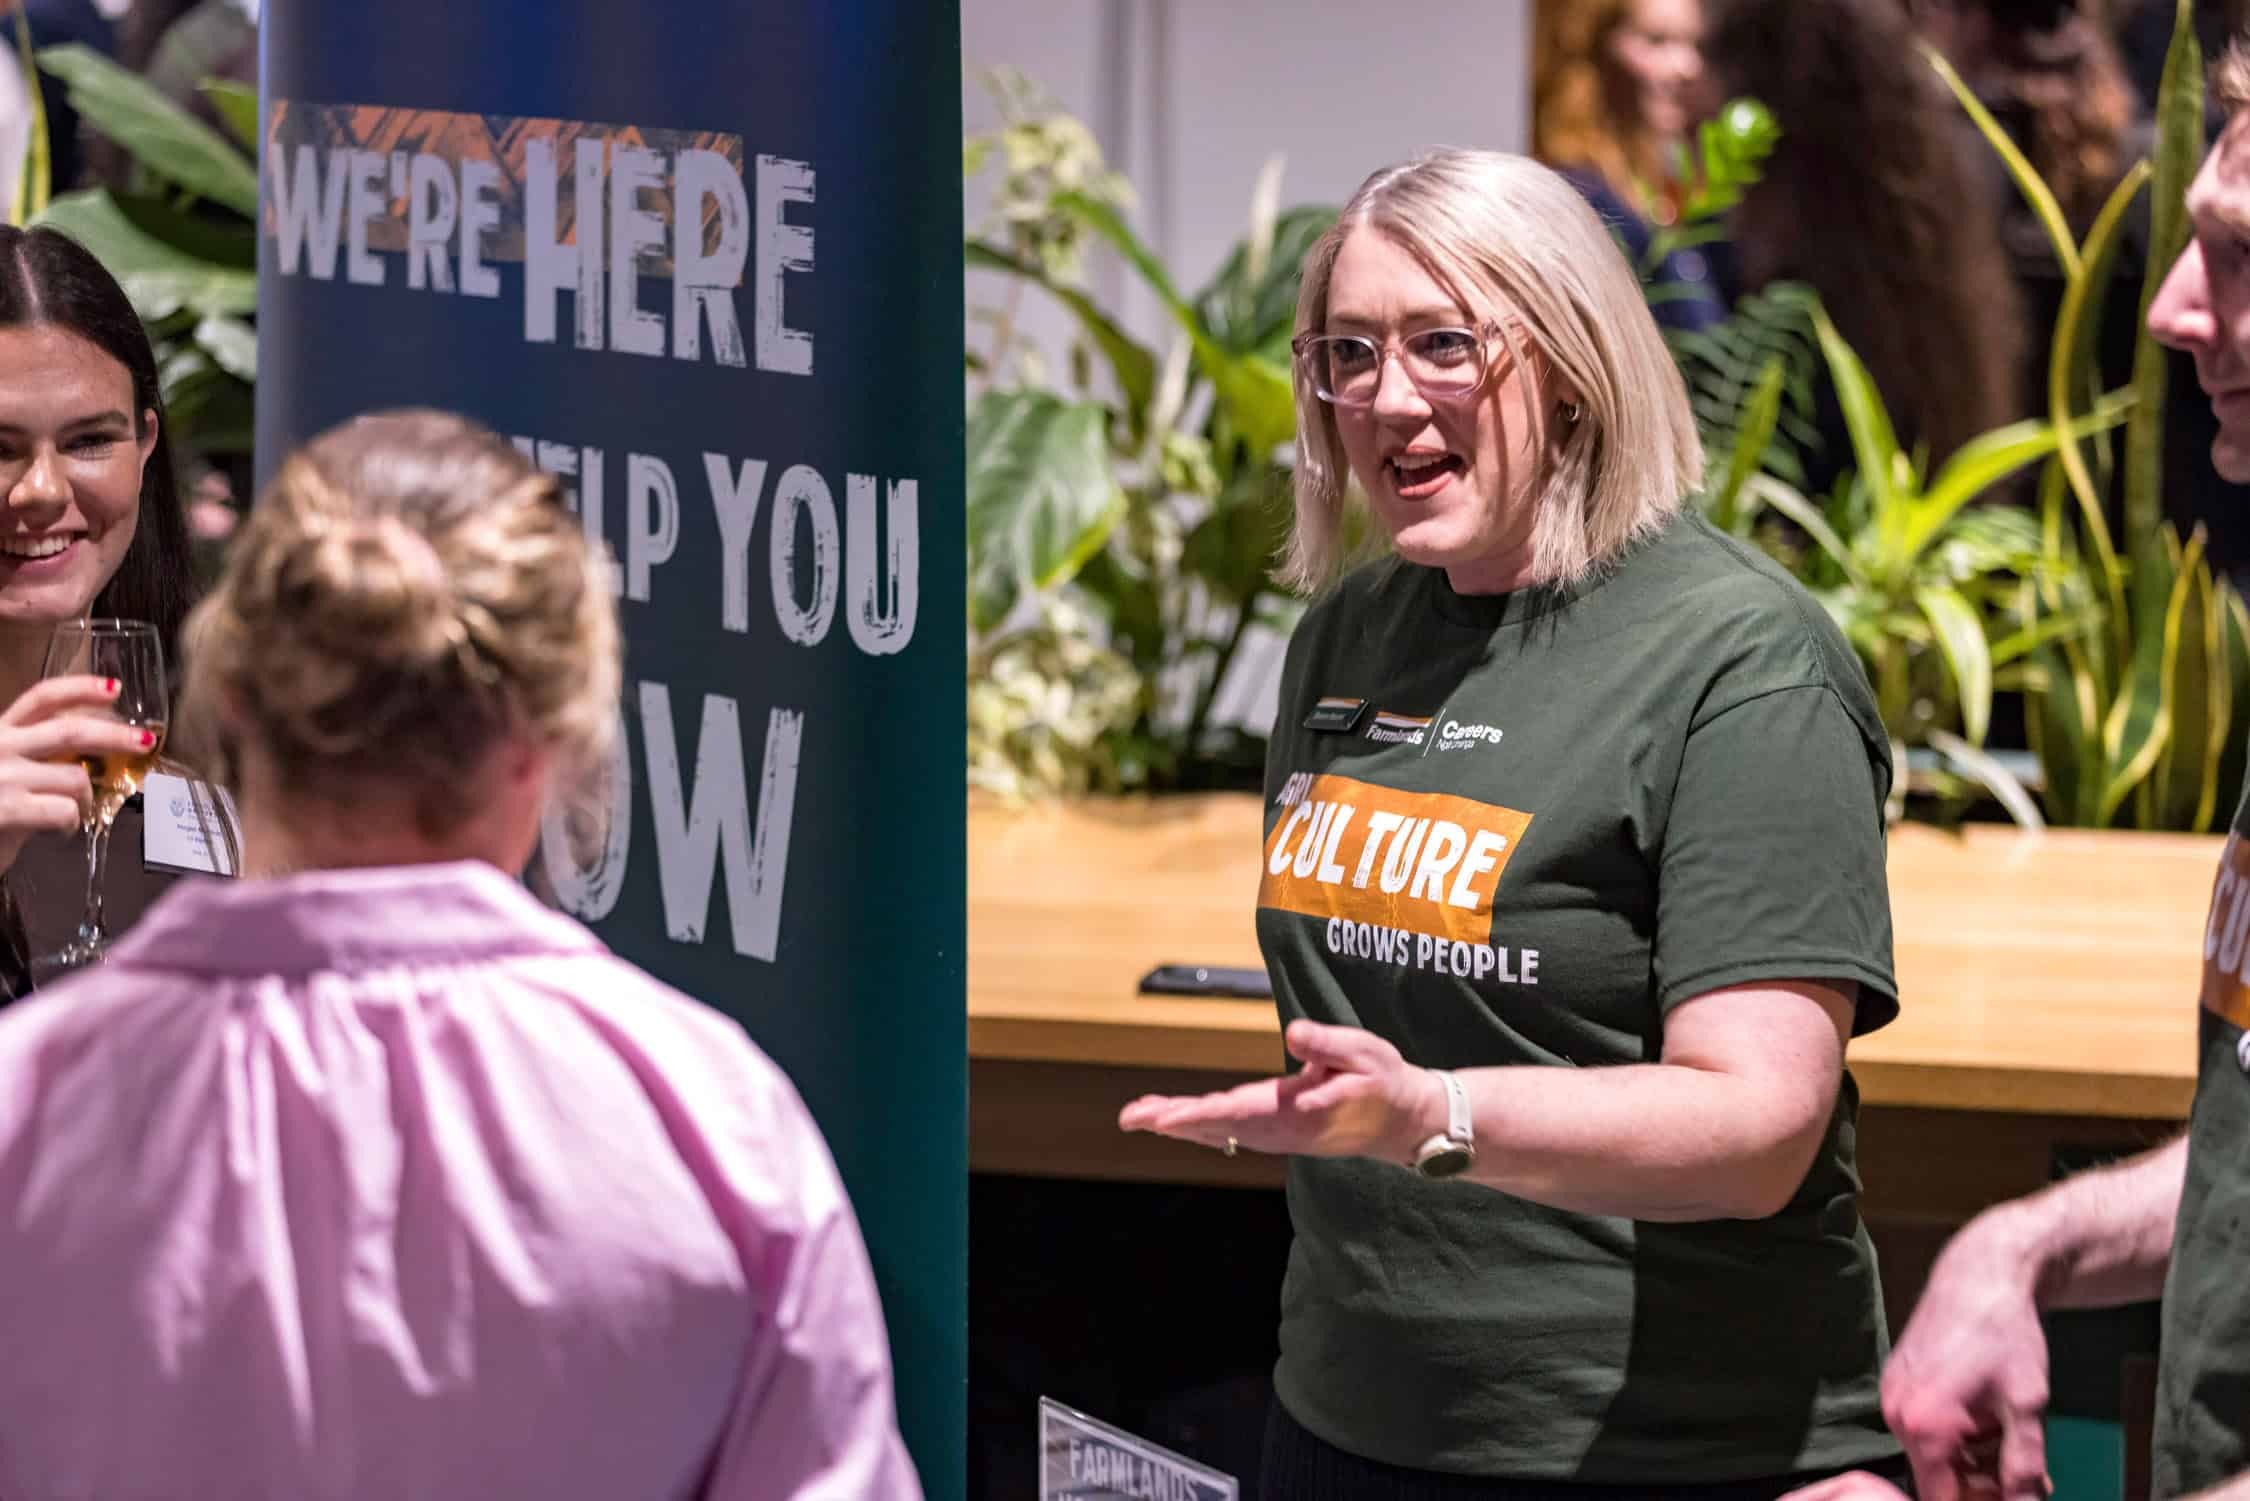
{"x": 1444, "y": 364}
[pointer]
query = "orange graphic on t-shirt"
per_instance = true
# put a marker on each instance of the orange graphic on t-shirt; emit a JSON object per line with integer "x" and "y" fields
{"x": 2226, "y": 956}
{"x": 1421, "y": 861}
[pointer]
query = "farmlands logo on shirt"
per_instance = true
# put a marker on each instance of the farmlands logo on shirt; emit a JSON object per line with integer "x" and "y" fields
{"x": 1397, "y": 729}
{"x": 1403, "y": 877}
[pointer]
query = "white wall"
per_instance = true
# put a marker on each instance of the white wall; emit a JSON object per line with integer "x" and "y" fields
{"x": 1189, "y": 99}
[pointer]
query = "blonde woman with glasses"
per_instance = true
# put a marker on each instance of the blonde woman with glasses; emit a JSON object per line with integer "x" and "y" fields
{"x": 1573, "y": 893}
{"x": 369, "y": 1176}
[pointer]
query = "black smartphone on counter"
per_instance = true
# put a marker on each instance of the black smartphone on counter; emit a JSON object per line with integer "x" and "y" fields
{"x": 1208, "y": 979}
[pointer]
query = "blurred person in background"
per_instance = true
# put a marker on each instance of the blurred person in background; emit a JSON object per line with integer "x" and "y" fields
{"x": 368, "y": 1176}
{"x": 1618, "y": 88}
{"x": 1871, "y": 198}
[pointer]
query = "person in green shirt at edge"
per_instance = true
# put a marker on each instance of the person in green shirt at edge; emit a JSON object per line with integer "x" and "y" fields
{"x": 1967, "y": 1388}
{"x": 1572, "y": 894}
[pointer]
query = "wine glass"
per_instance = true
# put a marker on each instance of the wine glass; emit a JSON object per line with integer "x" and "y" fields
{"x": 131, "y": 652}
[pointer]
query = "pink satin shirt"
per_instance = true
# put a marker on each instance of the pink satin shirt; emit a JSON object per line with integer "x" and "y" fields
{"x": 393, "y": 1183}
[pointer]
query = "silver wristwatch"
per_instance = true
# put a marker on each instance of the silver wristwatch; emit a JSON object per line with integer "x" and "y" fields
{"x": 1450, "y": 1154}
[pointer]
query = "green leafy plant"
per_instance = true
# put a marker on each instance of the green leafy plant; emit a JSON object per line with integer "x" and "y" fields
{"x": 181, "y": 239}
{"x": 1135, "y": 495}
{"x": 2140, "y": 720}
{"x": 1928, "y": 587}
{"x": 1727, "y": 159}
{"x": 1750, "y": 380}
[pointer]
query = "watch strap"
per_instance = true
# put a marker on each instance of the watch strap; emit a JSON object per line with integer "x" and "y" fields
{"x": 1449, "y": 1153}
{"x": 1459, "y": 1125}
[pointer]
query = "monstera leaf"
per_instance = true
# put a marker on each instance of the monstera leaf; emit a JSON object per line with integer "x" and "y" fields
{"x": 1041, "y": 496}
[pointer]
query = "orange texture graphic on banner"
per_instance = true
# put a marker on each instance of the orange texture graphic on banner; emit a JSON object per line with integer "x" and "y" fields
{"x": 2226, "y": 957}
{"x": 397, "y": 135}
{"x": 1420, "y": 862}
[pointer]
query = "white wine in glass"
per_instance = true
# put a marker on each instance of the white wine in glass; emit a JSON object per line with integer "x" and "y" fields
{"x": 117, "y": 776}
{"x": 132, "y": 652}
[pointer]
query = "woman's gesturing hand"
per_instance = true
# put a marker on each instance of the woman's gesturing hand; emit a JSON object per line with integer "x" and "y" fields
{"x": 1355, "y": 1097}
{"x": 42, "y": 784}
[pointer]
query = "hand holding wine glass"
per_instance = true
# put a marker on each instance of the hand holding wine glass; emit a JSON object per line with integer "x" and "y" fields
{"x": 43, "y": 735}
{"x": 130, "y": 655}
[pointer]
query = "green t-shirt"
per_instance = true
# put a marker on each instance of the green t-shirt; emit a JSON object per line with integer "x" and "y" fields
{"x": 2203, "y": 1383}
{"x": 1519, "y": 830}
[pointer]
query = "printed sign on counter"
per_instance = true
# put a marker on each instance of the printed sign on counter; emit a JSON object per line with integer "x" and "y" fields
{"x": 1084, "y": 1459}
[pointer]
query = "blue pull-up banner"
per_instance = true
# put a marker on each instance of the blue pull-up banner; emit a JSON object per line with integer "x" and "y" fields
{"x": 703, "y": 262}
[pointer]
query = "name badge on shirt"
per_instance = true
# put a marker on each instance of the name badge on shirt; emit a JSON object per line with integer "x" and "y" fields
{"x": 188, "y": 829}
{"x": 1335, "y": 715}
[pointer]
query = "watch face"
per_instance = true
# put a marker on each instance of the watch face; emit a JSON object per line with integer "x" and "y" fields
{"x": 1447, "y": 1162}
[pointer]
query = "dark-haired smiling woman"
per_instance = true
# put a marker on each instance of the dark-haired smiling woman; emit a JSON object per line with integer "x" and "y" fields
{"x": 90, "y": 525}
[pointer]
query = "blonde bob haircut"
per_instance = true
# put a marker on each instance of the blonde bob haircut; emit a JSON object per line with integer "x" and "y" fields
{"x": 1514, "y": 243}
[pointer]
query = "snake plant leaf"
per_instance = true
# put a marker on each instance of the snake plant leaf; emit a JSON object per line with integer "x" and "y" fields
{"x": 37, "y": 179}
{"x": 2064, "y": 565}
{"x": 2036, "y": 193}
{"x": 2184, "y": 787}
{"x": 1962, "y": 644}
{"x": 162, "y": 137}
{"x": 1253, "y": 390}
{"x": 1042, "y": 497}
{"x": 2066, "y": 736}
{"x": 2070, "y": 359}
{"x": 2179, "y": 147}
{"x": 2076, "y": 343}
{"x": 2046, "y": 630}
{"x": 2140, "y": 717}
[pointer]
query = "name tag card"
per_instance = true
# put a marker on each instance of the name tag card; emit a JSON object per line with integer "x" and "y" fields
{"x": 187, "y": 828}
{"x": 1083, "y": 1459}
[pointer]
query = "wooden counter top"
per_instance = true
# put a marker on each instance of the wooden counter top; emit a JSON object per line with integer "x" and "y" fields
{"x": 2050, "y": 973}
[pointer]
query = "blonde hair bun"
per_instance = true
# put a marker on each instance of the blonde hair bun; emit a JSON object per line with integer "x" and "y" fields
{"x": 372, "y": 589}
{"x": 407, "y": 589}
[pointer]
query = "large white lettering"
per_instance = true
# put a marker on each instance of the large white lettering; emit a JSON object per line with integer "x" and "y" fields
{"x": 695, "y": 827}
{"x": 635, "y": 211}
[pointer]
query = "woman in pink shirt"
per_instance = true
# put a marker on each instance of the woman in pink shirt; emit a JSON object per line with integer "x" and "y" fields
{"x": 370, "y": 1176}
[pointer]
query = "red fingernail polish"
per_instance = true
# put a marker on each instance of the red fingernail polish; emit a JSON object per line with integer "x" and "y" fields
{"x": 110, "y": 684}
{"x": 148, "y": 738}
